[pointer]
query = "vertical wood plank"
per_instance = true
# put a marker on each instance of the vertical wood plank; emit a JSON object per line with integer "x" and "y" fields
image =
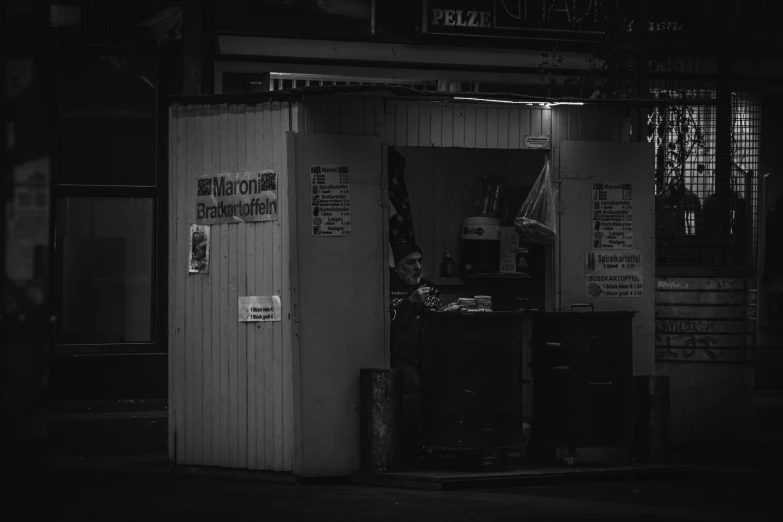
{"x": 401, "y": 131}
{"x": 546, "y": 121}
{"x": 459, "y": 126}
{"x": 215, "y": 262}
{"x": 357, "y": 116}
{"x": 233, "y": 333}
{"x": 258, "y": 434}
{"x": 381, "y": 120}
{"x": 447, "y": 135}
{"x": 369, "y": 116}
{"x": 334, "y": 110}
{"x": 470, "y": 127}
{"x": 285, "y": 231}
{"x": 481, "y": 127}
{"x": 198, "y": 307}
{"x": 250, "y": 274}
{"x": 278, "y": 291}
{"x": 584, "y": 122}
{"x": 390, "y": 117}
{"x": 344, "y": 107}
{"x": 225, "y": 339}
{"x": 310, "y": 118}
{"x": 268, "y": 289}
{"x": 242, "y": 291}
{"x": 557, "y": 125}
{"x": 513, "y": 129}
{"x": 525, "y": 123}
{"x": 173, "y": 407}
{"x": 180, "y": 325}
{"x": 573, "y": 124}
{"x": 413, "y": 125}
{"x": 493, "y": 132}
{"x": 188, "y": 369}
{"x": 436, "y": 125}
{"x": 503, "y": 130}
{"x": 425, "y": 132}
{"x": 206, "y": 308}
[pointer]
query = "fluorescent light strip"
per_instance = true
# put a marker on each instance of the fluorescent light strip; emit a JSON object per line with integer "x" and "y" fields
{"x": 541, "y": 104}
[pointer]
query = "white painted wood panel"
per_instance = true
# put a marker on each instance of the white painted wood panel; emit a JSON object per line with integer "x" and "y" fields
{"x": 231, "y": 384}
{"x": 342, "y": 303}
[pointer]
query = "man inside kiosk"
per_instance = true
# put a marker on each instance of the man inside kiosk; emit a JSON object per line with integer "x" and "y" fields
{"x": 410, "y": 294}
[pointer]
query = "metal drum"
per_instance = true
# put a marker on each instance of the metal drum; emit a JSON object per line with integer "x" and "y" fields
{"x": 471, "y": 374}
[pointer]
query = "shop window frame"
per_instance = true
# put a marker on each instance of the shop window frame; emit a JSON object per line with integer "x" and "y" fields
{"x": 158, "y": 192}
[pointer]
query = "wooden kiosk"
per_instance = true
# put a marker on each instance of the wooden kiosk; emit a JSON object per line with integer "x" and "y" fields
{"x": 272, "y": 383}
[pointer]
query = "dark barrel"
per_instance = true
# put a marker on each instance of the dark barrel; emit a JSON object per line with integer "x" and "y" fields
{"x": 471, "y": 379}
{"x": 380, "y": 419}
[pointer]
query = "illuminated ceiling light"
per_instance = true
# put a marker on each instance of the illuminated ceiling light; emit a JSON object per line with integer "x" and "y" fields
{"x": 513, "y": 102}
{"x": 490, "y": 100}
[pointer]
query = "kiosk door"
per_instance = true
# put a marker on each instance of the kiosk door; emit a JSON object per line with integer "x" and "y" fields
{"x": 340, "y": 258}
{"x": 606, "y": 239}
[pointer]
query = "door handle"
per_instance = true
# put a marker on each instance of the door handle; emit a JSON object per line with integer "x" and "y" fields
{"x": 561, "y": 368}
{"x": 607, "y": 383}
{"x": 553, "y": 345}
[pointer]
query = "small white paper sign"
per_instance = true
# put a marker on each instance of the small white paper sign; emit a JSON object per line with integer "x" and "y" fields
{"x": 537, "y": 142}
{"x": 259, "y": 309}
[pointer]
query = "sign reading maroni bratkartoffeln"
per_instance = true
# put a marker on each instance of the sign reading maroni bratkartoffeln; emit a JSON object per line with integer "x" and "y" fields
{"x": 237, "y": 197}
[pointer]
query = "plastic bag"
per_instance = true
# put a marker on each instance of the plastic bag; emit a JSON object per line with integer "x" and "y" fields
{"x": 536, "y": 221}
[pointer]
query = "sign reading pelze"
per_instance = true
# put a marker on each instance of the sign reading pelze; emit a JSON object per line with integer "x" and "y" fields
{"x": 237, "y": 197}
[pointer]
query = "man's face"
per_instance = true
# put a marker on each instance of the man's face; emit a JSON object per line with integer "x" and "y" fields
{"x": 409, "y": 269}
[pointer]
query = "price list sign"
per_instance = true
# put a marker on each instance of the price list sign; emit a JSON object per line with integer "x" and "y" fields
{"x": 612, "y": 215}
{"x": 330, "y": 208}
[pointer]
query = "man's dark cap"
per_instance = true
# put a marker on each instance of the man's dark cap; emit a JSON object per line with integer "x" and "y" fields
{"x": 403, "y": 249}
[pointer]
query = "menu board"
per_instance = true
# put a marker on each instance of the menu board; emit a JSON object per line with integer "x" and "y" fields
{"x": 612, "y": 215}
{"x": 330, "y": 207}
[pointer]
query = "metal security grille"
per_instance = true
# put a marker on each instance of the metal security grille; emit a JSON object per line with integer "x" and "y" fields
{"x": 113, "y": 23}
{"x": 281, "y": 81}
{"x": 698, "y": 224}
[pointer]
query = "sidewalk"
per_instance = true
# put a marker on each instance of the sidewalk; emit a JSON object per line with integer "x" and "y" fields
{"x": 154, "y": 491}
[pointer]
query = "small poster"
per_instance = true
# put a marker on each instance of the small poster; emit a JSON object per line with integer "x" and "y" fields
{"x": 199, "y": 249}
{"x": 330, "y": 208}
{"x": 513, "y": 257}
{"x": 614, "y": 273}
{"x": 261, "y": 309}
{"x": 612, "y": 214}
{"x": 27, "y": 219}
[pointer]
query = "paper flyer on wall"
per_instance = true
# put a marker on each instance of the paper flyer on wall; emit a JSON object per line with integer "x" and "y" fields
{"x": 237, "y": 197}
{"x": 612, "y": 215}
{"x": 198, "y": 262}
{"x": 259, "y": 309}
{"x": 27, "y": 219}
{"x": 614, "y": 273}
{"x": 330, "y": 206}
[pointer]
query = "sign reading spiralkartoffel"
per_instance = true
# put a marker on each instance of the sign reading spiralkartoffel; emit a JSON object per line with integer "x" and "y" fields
{"x": 330, "y": 207}
{"x": 614, "y": 273}
{"x": 612, "y": 215}
{"x": 237, "y": 197}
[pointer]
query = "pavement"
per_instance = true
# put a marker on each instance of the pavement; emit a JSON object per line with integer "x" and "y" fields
{"x": 714, "y": 494}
